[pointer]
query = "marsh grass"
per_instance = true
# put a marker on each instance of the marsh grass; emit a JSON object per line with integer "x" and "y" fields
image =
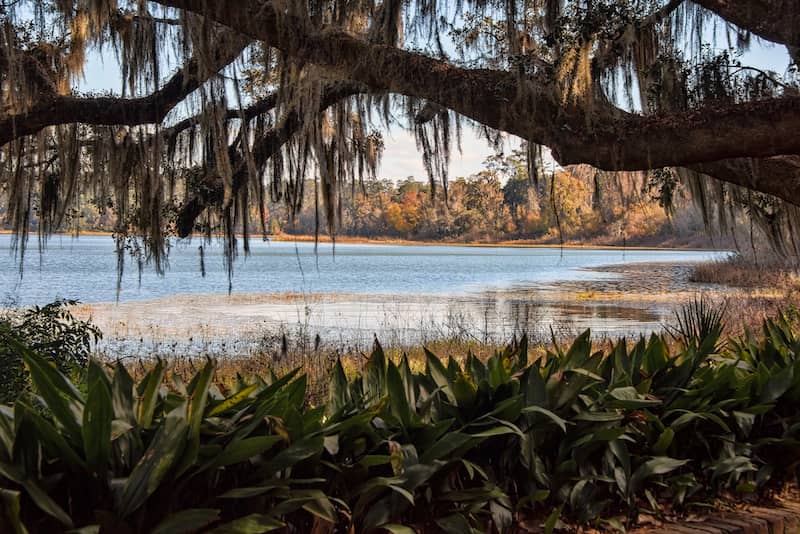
{"x": 748, "y": 271}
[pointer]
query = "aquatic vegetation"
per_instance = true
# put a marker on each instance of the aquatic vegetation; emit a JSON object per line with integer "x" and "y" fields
{"x": 586, "y": 435}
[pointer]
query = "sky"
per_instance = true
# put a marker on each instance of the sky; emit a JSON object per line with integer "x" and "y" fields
{"x": 400, "y": 158}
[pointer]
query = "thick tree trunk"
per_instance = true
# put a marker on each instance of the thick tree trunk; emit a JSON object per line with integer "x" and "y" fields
{"x": 774, "y": 20}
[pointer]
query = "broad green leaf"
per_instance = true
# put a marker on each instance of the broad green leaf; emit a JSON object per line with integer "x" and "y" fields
{"x": 339, "y": 392}
{"x": 628, "y": 398}
{"x": 187, "y": 521}
{"x": 778, "y": 384}
{"x": 445, "y": 446}
{"x": 397, "y": 396}
{"x": 562, "y": 423}
{"x": 294, "y": 453}
{"x": 233, "y": 401}
{"x": 37, "y": 495}
{"x": 11, "y": 508}
{"x": 599, "y": 417}
{"x": 53, "y": 441}
{"x": 162, "y": 454}
{"x": 552, "y": 519}
{"x": 500, "y": 430}
{"x": 664, "y": 441}
{"x": 122, "y": 394}
{"x": 251, "y": 524}
{"x": 659, "y": 465}
{"x": 440, "y": 376}
{"x": 60, "y": 396}
{"x": 242, "y": 450}
{"x": 197, "y": 406}
{"x": 149, "y": 398}
{"x": 398, "y": 529}
{"x": 98, "y": 415}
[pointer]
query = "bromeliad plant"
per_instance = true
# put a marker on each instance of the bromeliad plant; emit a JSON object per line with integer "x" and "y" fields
{"x": 459, "y": 447}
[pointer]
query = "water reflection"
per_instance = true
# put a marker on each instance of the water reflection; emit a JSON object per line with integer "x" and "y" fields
{"x": 197, "y": 325}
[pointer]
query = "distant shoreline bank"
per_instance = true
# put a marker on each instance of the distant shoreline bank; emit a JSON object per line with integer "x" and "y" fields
{"x": 351, "y": 240}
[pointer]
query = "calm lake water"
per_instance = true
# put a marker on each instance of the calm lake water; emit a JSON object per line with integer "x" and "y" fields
{"x": 403, "y": 294}
{"x": 84, "y": 268}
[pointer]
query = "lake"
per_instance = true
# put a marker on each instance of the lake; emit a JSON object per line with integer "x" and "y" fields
{"x": 407, "y": 293}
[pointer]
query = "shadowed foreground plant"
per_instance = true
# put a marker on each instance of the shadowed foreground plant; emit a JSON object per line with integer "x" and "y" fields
{"x": 50, "y": 330}
{"x": 595, "y": 436}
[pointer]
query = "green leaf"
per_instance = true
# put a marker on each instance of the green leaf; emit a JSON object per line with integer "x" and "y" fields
{"x": 149, "y": 399}
{"x": 446, "y": 445}
{"x": 664, "y": 441}
{"x": 562, "y": 423}
{"x": 294, "y": 453}
{"x": 628, "y": 398}
{"x": 599, "y": 417}
{"x": 397, "y": 395}
{"x": 737, "y": 464}
{"x": 96, "y": 430}
{"x": 37, "y": 495}
{"x": 659, "y": 465}
{"x": 778, "y": 384}
{"x": 440, "y": 376}
{"x": 251, "y": 524}
{"x": 233, "y": 401}
{"x": 53, "y": 441}
{"x": 255, "y": 491}
{"x": 165, "y": 449}
{"x": 579, "y": 352}
{"x": 552, "y": 519}
{"x": 339, "y": 392}
{"x": 186, "y": 521}
{"x": 58, "y": 393}
{"x": 196, "y": 409}
{"x": 122, "y": 394}
{"x": 398, "y": 529}
{"x": 242, "y": 450}
{"x": 197, "y": 403}
{"x": 375, "y": 373}
{"x": 500, "y": 430}
{"x": 11, "y": 508}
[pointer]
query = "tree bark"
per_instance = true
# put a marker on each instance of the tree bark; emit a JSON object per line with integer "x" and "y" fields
{"x": 56, "y": 109}
{"x": 774, "y": 20}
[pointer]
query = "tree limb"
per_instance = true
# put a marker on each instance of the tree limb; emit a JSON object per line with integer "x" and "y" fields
{"x": 774, "y": 20}
{"x": 603, "y": 136}
{"x": 53, "y": 109}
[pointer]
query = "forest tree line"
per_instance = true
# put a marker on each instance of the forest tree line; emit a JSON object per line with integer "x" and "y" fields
{"x": 499, "y": 203}
{"x": 502, "y": 203}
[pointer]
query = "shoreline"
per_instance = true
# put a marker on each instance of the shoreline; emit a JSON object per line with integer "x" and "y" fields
{"x": 639, "y": 299}
{"x": 352, "y": 240}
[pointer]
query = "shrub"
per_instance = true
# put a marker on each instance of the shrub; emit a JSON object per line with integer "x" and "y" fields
{"x": 457, "y": 447}
{"x": 51, "y": 331}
